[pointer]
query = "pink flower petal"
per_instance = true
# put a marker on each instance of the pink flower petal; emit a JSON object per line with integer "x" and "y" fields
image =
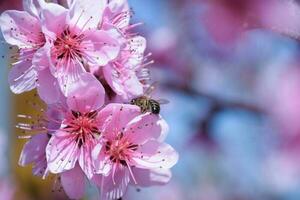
{"x": 40, "y": 168}
{"x": 62, "y": 152}
{"x": 85, "y": 159}
{"x": 20, "y": 28}
{"x": 48, "y": 88}
{"x": 40, "y": 59}
{"x": 128, "y": 89}
{"x": 115, "y": 117}
{"x": 86, "y": 95}
{"x": 146, "y": 178}
{"x": 100, "y": 160}
{"x": 50, "y": 11}
{"x": 32, "y": 7}
{"x": 73, "y": 182}
{"x": 34, "y": 151}
{"x": 87, "y": 14}
{"x": 122, "y": 75}
{"x": 164, "y": 129}
{"x": 22, "y": 77}
{"x": 55, "y": 115}
{"x": 115, "y": 7}
{"x": 143, "y": 128}
{"x": 67, "y": 75}
{"x": 156, "y": 155}
{"x": 113, "y": 188}
{"x": 104, "y": 47}
{"x": 133, "y": 87}
{"x": 118, "y": 6}
{"x": 138, "y": 46}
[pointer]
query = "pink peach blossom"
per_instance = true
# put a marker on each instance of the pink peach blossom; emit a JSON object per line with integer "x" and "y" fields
{"x": 131, "y": 151}
{"x": 65, "y": 41}
{"x": 66, "y": 50}
{"x": 73, "y": 41}
{"x": 79, "y": 131}
{"x": 23, "y": 29}
{"x": 68, "y": 152}
{"x": 125, "y": 74}
{"x": 68, "y": 132}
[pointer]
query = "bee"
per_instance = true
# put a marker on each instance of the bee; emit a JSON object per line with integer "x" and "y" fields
{"x": 147, "y": 104}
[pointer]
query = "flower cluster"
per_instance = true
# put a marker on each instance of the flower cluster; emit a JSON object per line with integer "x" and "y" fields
{"x": 87, "y": 65}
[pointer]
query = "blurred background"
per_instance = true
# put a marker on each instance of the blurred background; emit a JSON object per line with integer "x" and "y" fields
{"x": 231, "y": 70}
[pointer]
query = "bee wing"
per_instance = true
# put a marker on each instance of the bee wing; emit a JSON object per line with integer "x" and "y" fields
{"x": 163, "y": 101}
{"x": 151, "y": 88}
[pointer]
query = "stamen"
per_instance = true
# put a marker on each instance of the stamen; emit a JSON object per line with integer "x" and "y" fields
{"x": 131, "y": 173}
{"x": 133, "y": 26}
{"x": 82, "y": 29}
{"x": 113, "y": 174}
{"x": 148, "y": 63}
{"x": 79, "y": 18}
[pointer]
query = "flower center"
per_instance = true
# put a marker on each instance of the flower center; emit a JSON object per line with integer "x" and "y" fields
{"x": 120, "y": 150}
{"x": 83, "y": 126}
{"x": 68, "y": 45}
